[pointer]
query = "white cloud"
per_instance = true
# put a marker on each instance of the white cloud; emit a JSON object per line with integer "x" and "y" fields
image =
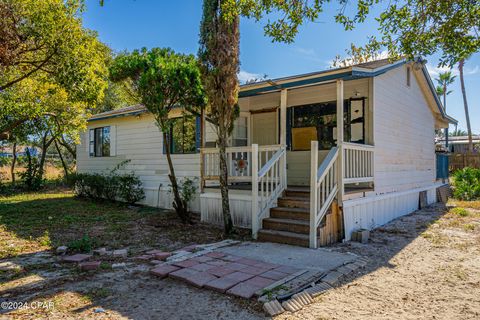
{"x": 244, "y": 76}
{"x": 435, "y": 70}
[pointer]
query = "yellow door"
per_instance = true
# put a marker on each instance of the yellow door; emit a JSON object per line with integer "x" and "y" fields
{"x": 264, "y": 128}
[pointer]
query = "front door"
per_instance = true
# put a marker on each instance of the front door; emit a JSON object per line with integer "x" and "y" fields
{"x": 264, "y": 128}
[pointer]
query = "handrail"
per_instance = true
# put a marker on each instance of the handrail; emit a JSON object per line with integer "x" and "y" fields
{"x": 242, "y": 149}
{"x": 270, "y": 163}
{"x": 327, "y": 163}
{"x": 358, "y": 146}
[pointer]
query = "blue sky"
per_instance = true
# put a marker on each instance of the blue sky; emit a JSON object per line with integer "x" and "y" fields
{"x": 132, "y": 24}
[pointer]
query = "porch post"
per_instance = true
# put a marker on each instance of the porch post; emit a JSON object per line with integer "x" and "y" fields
{"x": 255, "y": 226}
{"x": 283, "y": 117}
{"x": 202, "y": 145}
{"x": 340, "y": 129}
{"x": 313, "y": 194}
{"x": 283, "y": 135}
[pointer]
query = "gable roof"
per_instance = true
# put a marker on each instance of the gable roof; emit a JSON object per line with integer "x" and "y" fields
{"x": 358, "y": 71}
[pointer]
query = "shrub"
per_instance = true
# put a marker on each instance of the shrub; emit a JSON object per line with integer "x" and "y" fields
{"x": 466, "y": 184}
{"x": 85, "y": 244}
{"x": 31, "y": 177}
{"x": 111, "y": 186}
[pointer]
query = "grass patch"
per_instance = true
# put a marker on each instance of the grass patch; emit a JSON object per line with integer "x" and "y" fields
{"x": 36, "y": 221}
{"x": 459, "y": 211}
{"x": 465, "y": 204}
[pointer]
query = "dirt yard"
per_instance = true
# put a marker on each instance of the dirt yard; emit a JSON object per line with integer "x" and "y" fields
{"x": 422, "y": 266}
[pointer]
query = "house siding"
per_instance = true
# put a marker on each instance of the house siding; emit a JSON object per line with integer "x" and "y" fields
{"x": 404, "y": 134}
{"x": 139, "y": 140}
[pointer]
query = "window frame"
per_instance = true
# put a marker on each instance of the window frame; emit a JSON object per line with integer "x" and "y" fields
{"x": 170, "y": 135}
{"x": 93, "y": 142}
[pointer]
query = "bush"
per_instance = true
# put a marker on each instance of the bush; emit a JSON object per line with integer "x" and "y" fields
{"x": 462, "y": 212}
{"x": 85, "y": 244}
{"x": 31, "y": 177}
{"x": 466, "y": 184}
{"x": 112, "y": 186}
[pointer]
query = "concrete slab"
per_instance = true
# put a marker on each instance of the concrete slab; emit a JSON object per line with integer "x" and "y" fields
{"x": 318, "y": 260}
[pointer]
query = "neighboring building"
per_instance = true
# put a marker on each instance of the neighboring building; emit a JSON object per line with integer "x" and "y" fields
{"x": 376, "y": 173}
{"x": 459, "y": 144}
{"x": 6, "y": 151}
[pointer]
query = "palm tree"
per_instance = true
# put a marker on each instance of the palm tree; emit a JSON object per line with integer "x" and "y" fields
{"x": 461, "y": 64}
{"x": 444, "y": 80}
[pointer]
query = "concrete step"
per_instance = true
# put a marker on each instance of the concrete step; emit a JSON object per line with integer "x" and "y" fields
{"x": 290, "y": 225}
{"x": 294, "y": 202}
{"x": 290, "y": 213}
{"x": 284, "y": 237}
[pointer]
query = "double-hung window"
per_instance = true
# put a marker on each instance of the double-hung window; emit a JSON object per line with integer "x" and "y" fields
{"x": 182, "y": 136}
{"x": 99, "y": 142}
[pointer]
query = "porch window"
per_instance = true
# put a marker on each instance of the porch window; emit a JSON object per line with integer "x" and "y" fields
{"x": 319, "y": 121}
{"x": 239, "y": 134}
{"x": 182, "y": 135}
{"x": 99, "y": 142}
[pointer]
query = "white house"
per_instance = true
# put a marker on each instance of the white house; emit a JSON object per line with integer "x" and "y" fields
{"x": 293, "y": 177}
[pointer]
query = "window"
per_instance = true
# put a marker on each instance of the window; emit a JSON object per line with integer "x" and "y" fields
{"x": 319, "y": 122}
{"x": 239, "y": 134}
{"x": 100, "y": 142}
{"x": 182, "y": 135}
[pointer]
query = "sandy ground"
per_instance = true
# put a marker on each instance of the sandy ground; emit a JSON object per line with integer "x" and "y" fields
{"x": 423, "y": 266}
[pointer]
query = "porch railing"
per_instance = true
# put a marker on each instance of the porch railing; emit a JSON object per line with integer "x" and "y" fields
{"x": 358, "y": 162}
{"x": 323, "y": 187}
{"x": 268, "y": 183}
{"x": 239, "y": 162}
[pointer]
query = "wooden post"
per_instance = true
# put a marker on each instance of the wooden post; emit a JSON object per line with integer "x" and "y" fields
{"x": 340, "y": 128}
{"x": 255, "y": 226}
{"x": 283, "y": 135}
{"x": 202, "y": 145}
{"x": 313, "y": 193}
{"x": 283, "y": 117}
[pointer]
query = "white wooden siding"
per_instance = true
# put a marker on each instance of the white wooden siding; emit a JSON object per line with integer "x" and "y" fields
{"x": 404, "y": 134}
{"x": 139, "y": 140}
{"x": 372, "y": 212}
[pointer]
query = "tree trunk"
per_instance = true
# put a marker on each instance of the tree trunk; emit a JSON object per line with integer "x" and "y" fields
{"x": 445, "y": 109}
{"x": 45, "y": 145}
{"x": 14, "y": 161}
{"x": 179, "y": 204}
{"x": 64, "y": 165}
{"x": 222, "y": 144}
{"x": 465, "y": 105}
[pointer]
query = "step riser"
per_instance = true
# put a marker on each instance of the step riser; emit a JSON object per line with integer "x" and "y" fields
{"x": 282, "y": 239}
{"x": 303, "y": 194}
{"x": 293, "y": 203}
{"x": 280, "y": 226}
{"x": 281, "y": 214}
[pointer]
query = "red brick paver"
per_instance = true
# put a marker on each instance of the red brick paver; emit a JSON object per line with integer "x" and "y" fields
{"x": 77, "y": 258}
{"x": 186, "y": 263}
{"x": 203, "y": 267}
{"x": 221, "y": 284}
{"x": 239, "y": 276}
{"x": 89, "y": 265}
{"x": 183, "y": 274}
{"x": 163, "y": 270}
{"x": 235, "y": 266}
{"x": 255, "y": 270}
{"x": 199, "y": 279}
{"x": 215, "y": 254}
{"x": 243, "y": 290}
{"x": 248, "y": 262}
{"x": 260, "y": 282}
{"x": 220, "y": 271}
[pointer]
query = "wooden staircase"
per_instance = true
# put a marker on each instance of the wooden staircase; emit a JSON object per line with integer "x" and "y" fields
{"x": 289, "y": 222}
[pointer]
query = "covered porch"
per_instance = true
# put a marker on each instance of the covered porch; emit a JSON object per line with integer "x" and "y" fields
{"x": 286, "y": 137}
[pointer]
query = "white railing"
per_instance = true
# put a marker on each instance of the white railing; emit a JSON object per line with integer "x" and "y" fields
{"x": 267, "y": 185}
{"x": 358, "y": 162}
{"x": 239, "y": 162}
{"x": 323, "y": 187}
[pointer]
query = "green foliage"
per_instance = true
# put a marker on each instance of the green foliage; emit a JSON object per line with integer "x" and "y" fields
{"x": 111, "y": 186}
{"x": 466, "y": 184}
{"x": 462, "y": 212}
{"x": 85, "y": 244}
{"x": 31, "y": 178}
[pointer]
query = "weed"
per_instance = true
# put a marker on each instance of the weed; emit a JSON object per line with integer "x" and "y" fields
{"x": 462, "y": 212}
{"x": 85, "y": 244}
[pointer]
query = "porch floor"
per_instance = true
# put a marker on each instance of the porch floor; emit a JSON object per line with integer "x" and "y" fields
{"x": 349, "y": 189}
